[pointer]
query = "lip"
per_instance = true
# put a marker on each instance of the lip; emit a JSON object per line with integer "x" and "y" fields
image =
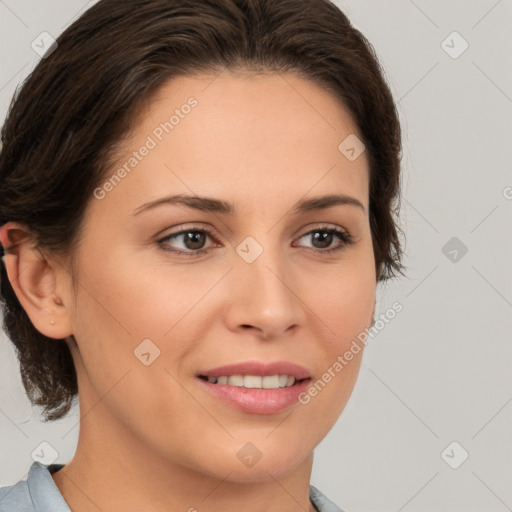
{"x": 254, "y": 400}
{"x": 259, "y": 368}
{"x": 257, "y": 401}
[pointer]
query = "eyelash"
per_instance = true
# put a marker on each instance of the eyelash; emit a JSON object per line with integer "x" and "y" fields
{"x": 345, "y": 238}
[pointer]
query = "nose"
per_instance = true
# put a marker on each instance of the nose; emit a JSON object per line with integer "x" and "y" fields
{"x": 265, "y": 298}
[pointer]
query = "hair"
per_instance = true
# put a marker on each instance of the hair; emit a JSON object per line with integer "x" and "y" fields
{"x": 80, "y": 101}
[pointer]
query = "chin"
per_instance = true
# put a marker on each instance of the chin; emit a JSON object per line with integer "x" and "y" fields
{"x": 227, "y": 462}
{"x": 272, "y": 464}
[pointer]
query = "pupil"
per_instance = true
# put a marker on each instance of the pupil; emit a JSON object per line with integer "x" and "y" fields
{"x": 191, "y": 240}
{"x": 323, "y": 238}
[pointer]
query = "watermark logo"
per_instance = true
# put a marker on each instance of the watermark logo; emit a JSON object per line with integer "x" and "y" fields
{"x": 146, "y": 352}
{"x": 454, "y": 45}
{"x": 454, "y": 249}
{"x": 44, "y": 45}
{"x": 249, "y": 454}
{"x": 45, "y": 453}
{"x": 454, "y": 455}
{"x": 351, "y": 147}
{"x": 249, "y": 249}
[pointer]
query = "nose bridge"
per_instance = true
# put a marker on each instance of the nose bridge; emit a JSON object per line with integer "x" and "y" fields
{"x": 266, "y": 299}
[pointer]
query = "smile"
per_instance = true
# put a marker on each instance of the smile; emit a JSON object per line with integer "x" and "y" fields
{"x": 256, "y": 387}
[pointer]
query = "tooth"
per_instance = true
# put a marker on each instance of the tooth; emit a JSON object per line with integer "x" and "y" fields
{"x": 270, "y": 381}
{"x": 236, "y": 380}
{"x": 252, "y": 381}
{"x": 255, "y": 381}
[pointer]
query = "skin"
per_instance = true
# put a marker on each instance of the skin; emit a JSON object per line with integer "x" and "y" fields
{"x": 150, "y": 437}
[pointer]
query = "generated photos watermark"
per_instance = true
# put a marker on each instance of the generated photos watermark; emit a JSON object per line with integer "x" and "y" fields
{"x": 152, "y": 141}
{"x": 343, "y": 360}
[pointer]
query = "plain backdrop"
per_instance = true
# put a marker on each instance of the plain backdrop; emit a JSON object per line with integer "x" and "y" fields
{"x": 435, "y": 383}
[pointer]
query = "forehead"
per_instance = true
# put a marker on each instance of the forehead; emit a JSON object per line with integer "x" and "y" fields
{"x": 265, "y": 138}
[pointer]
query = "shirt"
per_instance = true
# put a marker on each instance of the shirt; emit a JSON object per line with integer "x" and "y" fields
{"x": 38, "y": 493}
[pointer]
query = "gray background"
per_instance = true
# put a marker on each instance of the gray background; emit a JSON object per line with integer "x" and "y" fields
{"x": 440, "y": 371}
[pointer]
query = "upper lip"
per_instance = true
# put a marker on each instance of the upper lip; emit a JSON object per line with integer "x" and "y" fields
{"x": 259, "y": 368}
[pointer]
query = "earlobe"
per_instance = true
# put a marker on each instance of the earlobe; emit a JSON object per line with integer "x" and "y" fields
{"x": 33, "y": 278}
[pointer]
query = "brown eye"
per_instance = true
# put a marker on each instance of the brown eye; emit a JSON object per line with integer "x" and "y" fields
{"x": 192, "y": 240}
{"x": 323, "y": 238}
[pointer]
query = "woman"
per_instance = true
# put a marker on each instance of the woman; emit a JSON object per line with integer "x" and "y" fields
{"x": 197, "y": 203}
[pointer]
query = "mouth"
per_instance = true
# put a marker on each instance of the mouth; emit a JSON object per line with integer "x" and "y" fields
{"x": 256, "y": 387}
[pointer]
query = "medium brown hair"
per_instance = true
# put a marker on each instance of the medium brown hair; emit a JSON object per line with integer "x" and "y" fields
{"x": 79, "y": 102}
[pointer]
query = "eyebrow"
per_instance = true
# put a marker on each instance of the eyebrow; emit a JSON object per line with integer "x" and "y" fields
{"x": 208, "y": 204}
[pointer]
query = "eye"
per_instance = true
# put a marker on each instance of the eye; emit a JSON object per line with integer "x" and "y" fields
{"x": 192, "y": 241}
{"x": 324, "y": 236}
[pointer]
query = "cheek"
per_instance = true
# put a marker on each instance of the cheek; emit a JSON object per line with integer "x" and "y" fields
{"x": 132, "y": 299}
{"x": 116, "y": 314}
{"x": 111, "y": 318}
{"x": 345, "y": 297}
{"x": 344, "y": 304}
{"x": 124, "y": 302}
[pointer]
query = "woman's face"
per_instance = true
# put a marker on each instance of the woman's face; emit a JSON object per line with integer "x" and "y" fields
{"x": 157, "y": 312}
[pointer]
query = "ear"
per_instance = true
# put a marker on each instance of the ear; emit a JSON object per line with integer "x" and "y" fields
{"x": 39, "y": 283}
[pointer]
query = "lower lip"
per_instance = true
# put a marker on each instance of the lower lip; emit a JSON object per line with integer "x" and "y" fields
{"x": 259, "y": 401}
